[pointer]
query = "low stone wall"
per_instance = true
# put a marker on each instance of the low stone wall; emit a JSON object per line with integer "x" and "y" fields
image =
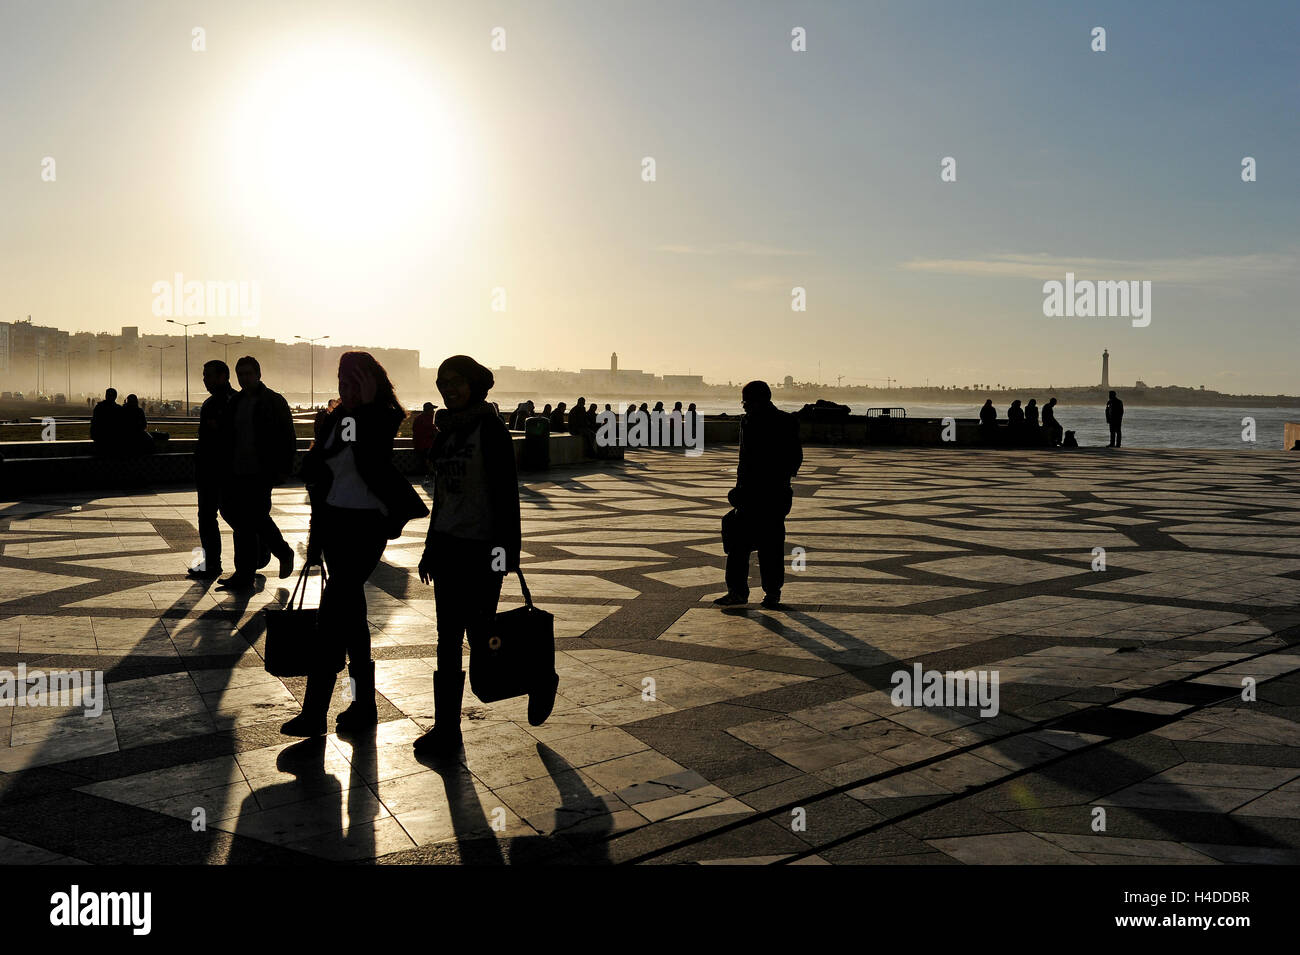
{"x": 861, "y": 430}
{"x": 61, "y": 465}
{"x": 1291, "y": 436}
{"x": 72, "y": 465}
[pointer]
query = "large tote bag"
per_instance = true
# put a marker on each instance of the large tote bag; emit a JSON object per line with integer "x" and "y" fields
{"x": 519, "y": 656}
{"x": 294, "y": 644}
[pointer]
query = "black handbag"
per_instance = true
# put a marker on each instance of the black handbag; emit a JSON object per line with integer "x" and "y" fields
{"x": 294, "y": 644}
{"x": 732, "y": 532}
{"x": 519, "y": 656}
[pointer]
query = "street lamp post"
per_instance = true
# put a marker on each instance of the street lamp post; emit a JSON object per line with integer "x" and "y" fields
{"x": 161, "y": 349}
{"x": 311, "y": 360}
{"x": 187, "y": 327}
{"x": 226, "y": 346}
{"x": 110, "y": 364}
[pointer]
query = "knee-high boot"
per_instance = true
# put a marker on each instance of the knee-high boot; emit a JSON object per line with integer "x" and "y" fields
{"x": 362, "y": 712}
{"x": 444, "y": 740}
{"x": 315, "y": 707}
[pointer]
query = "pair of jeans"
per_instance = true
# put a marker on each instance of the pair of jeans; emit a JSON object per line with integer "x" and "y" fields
{"x": 466, "y": 589}
{"x": 246, "y": 506}
{"x": 352, "y": 541}
{"x": 209, "y": 531}
{"x": 763, "y": 530}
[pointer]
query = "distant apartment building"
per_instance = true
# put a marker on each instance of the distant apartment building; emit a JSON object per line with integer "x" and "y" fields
{"x": 36, "y": 359}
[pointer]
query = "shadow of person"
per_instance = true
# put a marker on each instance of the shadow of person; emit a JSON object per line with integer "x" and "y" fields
{"x": 359, "y": 841}
{"x": 476, "y": 839}
{"x": 258, "y": 824}
{"x": 580, "y": 826}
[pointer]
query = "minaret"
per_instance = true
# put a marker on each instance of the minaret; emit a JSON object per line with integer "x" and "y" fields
{"x": 613, "y": 363}
{"x": 1105, "y": 368}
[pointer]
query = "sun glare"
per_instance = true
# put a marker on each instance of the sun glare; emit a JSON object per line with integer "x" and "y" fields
{"x": 345, "y": 144}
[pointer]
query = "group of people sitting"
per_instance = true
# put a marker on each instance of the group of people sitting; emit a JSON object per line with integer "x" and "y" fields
{"x": 119, "y": 429}
{"x": 1022, "y": 424}
{"x": 584, "y": 419}
{"x": 583, "y": 416}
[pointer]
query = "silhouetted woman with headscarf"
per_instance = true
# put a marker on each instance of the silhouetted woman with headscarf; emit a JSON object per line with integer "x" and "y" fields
{"x": 473, "y": 539}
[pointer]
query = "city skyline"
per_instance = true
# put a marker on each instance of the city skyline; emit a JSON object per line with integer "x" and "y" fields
{"x": 445, "y": 179}
{"x": 293, "y": 361}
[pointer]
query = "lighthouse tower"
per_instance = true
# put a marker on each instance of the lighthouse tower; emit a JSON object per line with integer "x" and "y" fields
{"x": 1105, "y": 368}
{"x": 613, "y": 363}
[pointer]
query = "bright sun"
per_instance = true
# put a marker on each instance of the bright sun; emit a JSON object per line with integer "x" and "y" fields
{"x": 343, "y": 144}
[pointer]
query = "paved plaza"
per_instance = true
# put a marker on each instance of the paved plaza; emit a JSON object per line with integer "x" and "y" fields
{"x": 1121, "y": 598}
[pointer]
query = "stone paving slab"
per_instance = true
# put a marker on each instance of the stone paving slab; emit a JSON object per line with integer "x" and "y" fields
{"x": 1147, "y": 710}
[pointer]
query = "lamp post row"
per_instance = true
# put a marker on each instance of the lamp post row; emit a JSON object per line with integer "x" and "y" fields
{"x": 161, "y": 349}
{"x": 311, "y": 360}
{"x": 187, "y": 327}
{"x": 311, "y": 342}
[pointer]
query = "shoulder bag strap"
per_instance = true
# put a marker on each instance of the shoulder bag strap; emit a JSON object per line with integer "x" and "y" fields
{"x": 302, "y": 583}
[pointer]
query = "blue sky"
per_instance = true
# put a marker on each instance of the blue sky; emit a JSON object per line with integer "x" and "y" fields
{"x": 774, "y": 169}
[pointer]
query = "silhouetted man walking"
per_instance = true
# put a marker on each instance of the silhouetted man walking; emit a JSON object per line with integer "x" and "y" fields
{"x": 770, "y": 455}
{"x": 210, "y": 466}
{"x": 1114, "y": 418}
{"x": 260, "y": 442}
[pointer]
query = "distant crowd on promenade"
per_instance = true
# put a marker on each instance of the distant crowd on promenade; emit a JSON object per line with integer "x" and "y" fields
{"x": 1023, "y": 427}
{"x": 584, "y": 419}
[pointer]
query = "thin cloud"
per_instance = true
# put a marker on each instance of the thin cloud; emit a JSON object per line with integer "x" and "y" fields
{"x": 764, "y": 283}
{"x": 730, "y": 248}
{"x": 1190, "y": 270}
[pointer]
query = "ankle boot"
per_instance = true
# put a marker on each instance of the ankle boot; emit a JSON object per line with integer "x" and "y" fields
{"x": 315, "y": 707}
{"x": 444, "y": 740}
{"x": 362, "y": 712}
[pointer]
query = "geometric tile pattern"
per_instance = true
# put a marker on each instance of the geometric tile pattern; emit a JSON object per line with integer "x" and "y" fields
{"x": 686, "y": 733}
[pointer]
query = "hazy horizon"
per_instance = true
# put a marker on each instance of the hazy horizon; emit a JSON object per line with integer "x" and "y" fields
{"x": 380, "y": 171}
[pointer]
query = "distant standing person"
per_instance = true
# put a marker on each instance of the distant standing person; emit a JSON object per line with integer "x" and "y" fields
{"x": 209, "y": 466}
{"x": 1114, "y": 418}
{"x": 770, "y": 456}
{"x": 259, "y": 429}
{"x": 106, "y": 424}
{"x": 422, "y": 431}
